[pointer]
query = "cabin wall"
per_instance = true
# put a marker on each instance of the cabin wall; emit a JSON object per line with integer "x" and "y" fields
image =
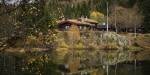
{"x": 66, "y": 27}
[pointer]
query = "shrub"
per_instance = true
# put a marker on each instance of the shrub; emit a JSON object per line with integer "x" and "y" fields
{"x": 40, "y": 65}
{"x": 79, "y": 46}
{"x": 134, "y": 48}
{"x": 110, "y": 46}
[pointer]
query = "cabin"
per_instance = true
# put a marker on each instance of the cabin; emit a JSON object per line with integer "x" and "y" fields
{"x": 81, "y": 23}
{"x": 103, "y": 27}
{"x": 89, "y": 24}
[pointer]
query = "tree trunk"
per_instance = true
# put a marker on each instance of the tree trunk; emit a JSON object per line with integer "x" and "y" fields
{"x": 135, "y": 31}
{"x": 107, "y": 17}
{"x": 116, "y": 68}
{"x": 116, "y": 25}
{"x": 115, "y": 21}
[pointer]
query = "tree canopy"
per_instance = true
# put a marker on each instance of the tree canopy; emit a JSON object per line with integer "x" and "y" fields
{"x": 33, "y": 16}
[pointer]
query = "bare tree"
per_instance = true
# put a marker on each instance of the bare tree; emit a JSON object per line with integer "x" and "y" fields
{"x": 136, "y": 18}
{"x": 116, "y": 16}
{"x": 125, "y": 18}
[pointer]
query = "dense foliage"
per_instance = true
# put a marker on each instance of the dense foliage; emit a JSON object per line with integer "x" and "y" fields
{"x": 28, "y": 16}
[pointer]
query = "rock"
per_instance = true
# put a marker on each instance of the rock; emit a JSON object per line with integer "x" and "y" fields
{"x": 112, "y": 37}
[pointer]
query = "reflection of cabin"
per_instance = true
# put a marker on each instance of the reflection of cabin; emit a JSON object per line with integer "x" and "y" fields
{"x": 82, "y": 24}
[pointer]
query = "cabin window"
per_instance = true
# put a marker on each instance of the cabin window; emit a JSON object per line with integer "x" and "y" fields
{"x": 66, "y": 27}
{"x": 80, "y": 27}
{"x": 85, "y": 28}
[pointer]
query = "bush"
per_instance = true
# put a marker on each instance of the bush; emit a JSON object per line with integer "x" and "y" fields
{"x": 134, "y": 48}
{"x": 110, "y": 47}
{"x": 40, "y": 65}
{"x": 79, "y": 46}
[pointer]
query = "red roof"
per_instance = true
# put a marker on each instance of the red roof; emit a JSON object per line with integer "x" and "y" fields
{"x": 78, "y": 22}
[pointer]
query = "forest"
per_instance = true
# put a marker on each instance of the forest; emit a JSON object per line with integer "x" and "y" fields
{"x": 39, "y": 15}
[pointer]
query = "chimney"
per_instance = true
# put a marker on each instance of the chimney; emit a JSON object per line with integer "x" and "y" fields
{"x": 86, "y": 18}
{"x": 82, "y": 19}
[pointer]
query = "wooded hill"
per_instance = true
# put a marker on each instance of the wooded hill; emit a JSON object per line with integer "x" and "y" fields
{"x": 37, "y": 15}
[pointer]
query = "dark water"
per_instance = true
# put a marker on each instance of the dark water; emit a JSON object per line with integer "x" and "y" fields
{"x": 10, "y": 65}
{"x": 128, "y": 68}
